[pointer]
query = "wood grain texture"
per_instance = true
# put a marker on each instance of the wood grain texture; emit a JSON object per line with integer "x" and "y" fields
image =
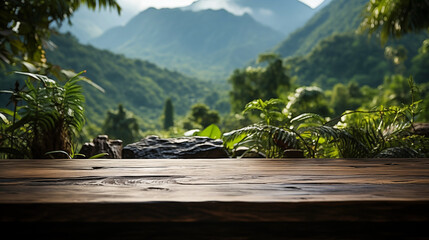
{"x": 215, "y": 199}
{"x": 197, "y": 180}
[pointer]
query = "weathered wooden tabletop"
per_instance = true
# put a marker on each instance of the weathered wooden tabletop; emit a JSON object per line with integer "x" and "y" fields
{"x": 196, "y": 180}
{"x": 215, "y": 190}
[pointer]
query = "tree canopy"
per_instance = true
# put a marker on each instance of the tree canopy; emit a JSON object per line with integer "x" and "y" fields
{"x": 396, "y": 17}
{"x": 25, "y": 26}
{"x": 260, "y": 82}
{"x": 201, "y": 115}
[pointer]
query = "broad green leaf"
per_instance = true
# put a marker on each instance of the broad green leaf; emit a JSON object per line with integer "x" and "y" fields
{"x": 230, "y": 144}
{"x": 211, "y": 131}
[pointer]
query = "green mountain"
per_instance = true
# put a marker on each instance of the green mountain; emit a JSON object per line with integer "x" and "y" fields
{"x": 346, "y": 57}
{"x": 328, "y": 50}
{"x": 339, "y": 16}
{"x": 283, "y": 16}
{"x": 208, "y": 44}
{"x": 139, "y": 86}
{"x": 280, "y": 15}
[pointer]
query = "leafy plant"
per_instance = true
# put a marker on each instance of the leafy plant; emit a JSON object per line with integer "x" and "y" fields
{"x": 268, "y": 80}
{"x": 355, "y": 134}
{"x": 26, "y": 26}
{"x": 382, "y": 133}
{"x": 395, "y": 18}
{"x": 49, "y": 119}
{"x": 201, "y": 115}
{"x": 272, "y": 140}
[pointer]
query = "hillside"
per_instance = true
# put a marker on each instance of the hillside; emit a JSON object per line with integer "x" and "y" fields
{"x": 339, "y": 16}
{"x": 283, "y": 16}
{"x": 208, "y": 44}
{"x": 140, "y": 86}
{"x": 346, "y": 57}
{"x": 328, "y": 50}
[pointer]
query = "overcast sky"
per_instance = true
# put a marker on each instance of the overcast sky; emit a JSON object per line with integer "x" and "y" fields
{"x": 139, "y": 5}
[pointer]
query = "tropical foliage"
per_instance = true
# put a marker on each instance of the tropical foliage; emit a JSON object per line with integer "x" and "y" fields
{"x": 200, "y": 115}
{"x": 385, "y": 132}
{"x": 395, "y": 18}
{"x": 140, "y": 86}
{"x": 346, "y": 57}
{"x": 265, "y": 82}
{"x": 340, "y": 16}
{"x": 348, "y": 97}
{"x": 26, "y": 26}
{"x": 46, "y": 116}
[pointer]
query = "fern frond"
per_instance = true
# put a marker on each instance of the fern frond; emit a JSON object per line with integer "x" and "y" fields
{"x": 349, "y": 146}
{"x": 270, "y": 140}
{"x": 307, "y": 116}
{"x": 238, "y": 135}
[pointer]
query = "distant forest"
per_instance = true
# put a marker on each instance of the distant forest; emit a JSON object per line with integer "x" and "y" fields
{"x": 333, "y": 65}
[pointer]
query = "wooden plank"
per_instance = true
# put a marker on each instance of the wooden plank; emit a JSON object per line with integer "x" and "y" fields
{"x": 215, "y": 198}
{"x": 196, "y": 180}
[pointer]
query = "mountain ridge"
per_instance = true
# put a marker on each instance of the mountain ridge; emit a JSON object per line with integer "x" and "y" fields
{"x": 217, "y": 43}
{"x": 141, "y": 86}
{"x": 328, "y": 50}
{"x": 323, "y": 24}
{"x": 282, "y": 16}
{"x": 277, "y": 14}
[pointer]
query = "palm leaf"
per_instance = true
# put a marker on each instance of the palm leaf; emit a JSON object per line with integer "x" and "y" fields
{"x": 47, "y": 82}
{"x": 78, "y": 78}
{"x": 307, "y": 116}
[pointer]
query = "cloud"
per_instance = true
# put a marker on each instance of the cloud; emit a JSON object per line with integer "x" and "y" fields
{"x": 312, "y": 3}
{"x": 140, "y": 5}
{"x": 228, "y": 5}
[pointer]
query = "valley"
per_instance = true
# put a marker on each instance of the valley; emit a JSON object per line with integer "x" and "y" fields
{"x": 200, "y": 55}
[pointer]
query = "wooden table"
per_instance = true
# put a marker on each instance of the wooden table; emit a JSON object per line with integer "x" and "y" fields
{"x": 216, "y": 198}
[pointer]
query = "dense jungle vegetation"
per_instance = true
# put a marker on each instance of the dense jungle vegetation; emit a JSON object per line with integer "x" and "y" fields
{"x": 350, "y": 96}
